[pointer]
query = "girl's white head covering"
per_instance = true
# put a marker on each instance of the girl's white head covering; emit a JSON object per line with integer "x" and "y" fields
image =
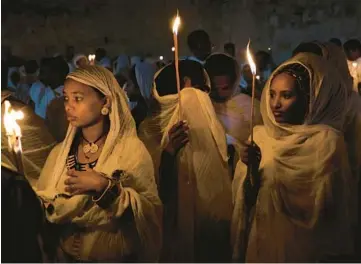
{"x": 144, "y": 72}
{"x": 135, "y": 60}
{"x": 204, "y": 159}
{"x": 77, "y": 58}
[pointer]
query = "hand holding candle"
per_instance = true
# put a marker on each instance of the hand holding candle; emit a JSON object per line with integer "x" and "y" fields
{"x": 176, "y": 24}
{"x": 13, "y": 132}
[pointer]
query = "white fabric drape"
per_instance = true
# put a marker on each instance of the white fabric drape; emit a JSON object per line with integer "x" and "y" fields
{"x": 144, "y": 72}
{"x": 204, "y": 183}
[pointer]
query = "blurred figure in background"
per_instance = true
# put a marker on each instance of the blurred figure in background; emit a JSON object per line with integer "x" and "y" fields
{"x": 230, "y": 49}
{"x": 200, "y": 45}
{"x": 102, "y": 59}
{"x": 336, "y": 41}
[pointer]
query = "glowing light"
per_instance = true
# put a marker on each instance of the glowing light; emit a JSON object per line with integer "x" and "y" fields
{"x": 161, "y": 57}
{"x": 173, "y": 49}
{"x": 176, "y": 24}
{"x": 251, "y": 62}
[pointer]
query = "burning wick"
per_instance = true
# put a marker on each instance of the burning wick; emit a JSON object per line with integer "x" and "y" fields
{"x": 258, "y": 77}
{"x": 161, "y": 58}
{"x": 173, "y": 49}
{"x": 176, "y": 24}
{"x": 91, "y": 59}
{"x": 13, "y": 132}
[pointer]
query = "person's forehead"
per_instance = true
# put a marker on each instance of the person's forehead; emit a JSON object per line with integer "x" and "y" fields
{"x": 75, "y": 86}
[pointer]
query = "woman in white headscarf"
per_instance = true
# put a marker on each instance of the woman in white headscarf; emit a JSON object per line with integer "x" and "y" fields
{"x": 190, "y": 160}
{"x": 80, "y": 60}
{"x": 99, "y": 182}
{"x": 295, "y": 200}
{"x": 138, "y": 89}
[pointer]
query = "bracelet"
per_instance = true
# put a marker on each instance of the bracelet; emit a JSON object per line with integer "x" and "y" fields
{"x": 108, "y": 196}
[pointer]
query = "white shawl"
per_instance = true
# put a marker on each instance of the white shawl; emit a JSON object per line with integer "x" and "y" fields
{"x": 206, "y": 153}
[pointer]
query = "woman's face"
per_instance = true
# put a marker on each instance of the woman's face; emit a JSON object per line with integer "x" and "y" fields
{"x": 83, "y": 104}
{"x": 287, "y": 104}
{"x": 82, "y": 62}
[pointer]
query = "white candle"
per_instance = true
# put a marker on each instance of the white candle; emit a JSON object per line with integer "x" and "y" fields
{"x": 176, "y": 25}
{"x": 355, "y": 76}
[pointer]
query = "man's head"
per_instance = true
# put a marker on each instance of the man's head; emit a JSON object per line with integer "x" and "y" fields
{"x": 352, "y": 49}
{"x": 223, "y": 72}
{"x": 53, "y": 71}
{"x": 263, "y": 59}
{"x": 31, "y": 66}
{"x": 100, "y": 53}
{"x": 230, "y": 49}
{"x": 336, "y": 41}
{"x": 191, "y": 73}
{"x": 199, "y": 44}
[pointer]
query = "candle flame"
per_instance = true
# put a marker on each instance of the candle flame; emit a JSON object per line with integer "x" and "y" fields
{"x": 354, "y": 64}
{"x": 251, "y": 62}
{"x": 91, "y": 57}
{"x": 176, "y": 24}
{"x": 10, "y": 116}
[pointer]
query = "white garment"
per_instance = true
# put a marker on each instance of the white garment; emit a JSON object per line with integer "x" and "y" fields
{"x": 42, "y": 95}
{"x": 11, "y": 85}
{"x": 135, "y": 60}
{"x": 144, "y": 72}
{"x": 105, "y": 62}
{"x": 71, "y": 67}
{"x": 121, "y": 63}
{"x": 193, "y": 58}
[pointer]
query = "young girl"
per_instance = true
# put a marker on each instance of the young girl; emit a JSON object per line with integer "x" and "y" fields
{"x": 99, "y": 182}
{"x": 294, "y": 200}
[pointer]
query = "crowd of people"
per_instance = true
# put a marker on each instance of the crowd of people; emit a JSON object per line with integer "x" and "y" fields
{"x": 121, "y": 167}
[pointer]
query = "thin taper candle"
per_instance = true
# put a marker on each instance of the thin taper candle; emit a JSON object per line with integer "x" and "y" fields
{"x": 176, "y": 24}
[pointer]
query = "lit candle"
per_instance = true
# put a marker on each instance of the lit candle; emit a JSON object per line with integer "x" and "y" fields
{"x": 91, "y": 59}
{"x": 176, "y": 24}
{"x": 355, "y": 76}
{"x": 253, "y": 70}
{"x": 13, "y": 132}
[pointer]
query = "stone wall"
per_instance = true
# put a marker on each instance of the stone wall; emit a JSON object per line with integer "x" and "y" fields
{"x": 36, "y": 28}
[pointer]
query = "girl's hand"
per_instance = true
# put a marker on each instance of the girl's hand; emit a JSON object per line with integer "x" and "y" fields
{"x": 251, "y": 155}
{"x": 178, "y": 137}
{"x": 85, "y": 182}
